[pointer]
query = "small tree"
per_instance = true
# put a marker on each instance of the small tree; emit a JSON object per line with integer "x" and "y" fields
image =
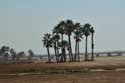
{"x": 4, "y": 53}
{"x": 13, "y": 54}
{"x": 20, "y": 54}
{"x": 31, "y": 54}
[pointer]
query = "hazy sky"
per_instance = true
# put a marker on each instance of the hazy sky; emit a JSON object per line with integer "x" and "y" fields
{"x": 23, "y": 22}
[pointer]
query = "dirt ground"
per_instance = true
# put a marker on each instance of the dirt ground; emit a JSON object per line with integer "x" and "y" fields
{"x": 69, "y": 72}
{"x": 93, "y": 77}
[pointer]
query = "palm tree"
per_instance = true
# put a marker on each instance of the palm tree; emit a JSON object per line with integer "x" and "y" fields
{"x": 62, "y": 32}
{"x": 55, "y": 39}
{"x": 47, "y": 43}
{"x": 54, "y": 46}
{"x": 77, "y": 36}
{"x": 92, "y": 44}
{"x": 69, "y": 27}
{"x": 59, "y": 29}
{"x": 86, "y": 30}
{"x": 64, "y": 45}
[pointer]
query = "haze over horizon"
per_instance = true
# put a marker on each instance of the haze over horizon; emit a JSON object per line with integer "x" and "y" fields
{"x": 23, "y": 22}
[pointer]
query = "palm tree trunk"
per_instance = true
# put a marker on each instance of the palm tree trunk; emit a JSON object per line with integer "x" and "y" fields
{"x": 57, "y": 51}
{"x": 76, "y": 47}
{"x": 86, "y": 54}
{"x": 49, "y": 58}
{"x": 70, "y": 48}
{"x": 78, "y": 53}
{"x": 92, "y": 47}
{"x": 69, "y": 54}
{"x": 62, "y": 55}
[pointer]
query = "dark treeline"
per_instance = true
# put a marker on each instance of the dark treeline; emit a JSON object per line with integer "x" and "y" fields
{"x": 56, "y": 40}
{"x": 9, "y": 55}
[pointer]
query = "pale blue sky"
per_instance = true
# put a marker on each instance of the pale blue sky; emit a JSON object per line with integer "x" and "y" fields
{"x": 23, "y": 22}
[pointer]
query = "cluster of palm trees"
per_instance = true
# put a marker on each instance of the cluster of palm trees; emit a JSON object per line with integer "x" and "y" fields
{"x": 57, "y": 41}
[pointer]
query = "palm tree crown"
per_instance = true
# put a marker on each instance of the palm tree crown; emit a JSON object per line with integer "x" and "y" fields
{"x": 47, "y": 40}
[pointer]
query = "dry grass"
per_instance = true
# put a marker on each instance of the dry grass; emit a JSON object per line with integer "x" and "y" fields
{"x": 107, "y": 63}
{"x": 74, "y": 72}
